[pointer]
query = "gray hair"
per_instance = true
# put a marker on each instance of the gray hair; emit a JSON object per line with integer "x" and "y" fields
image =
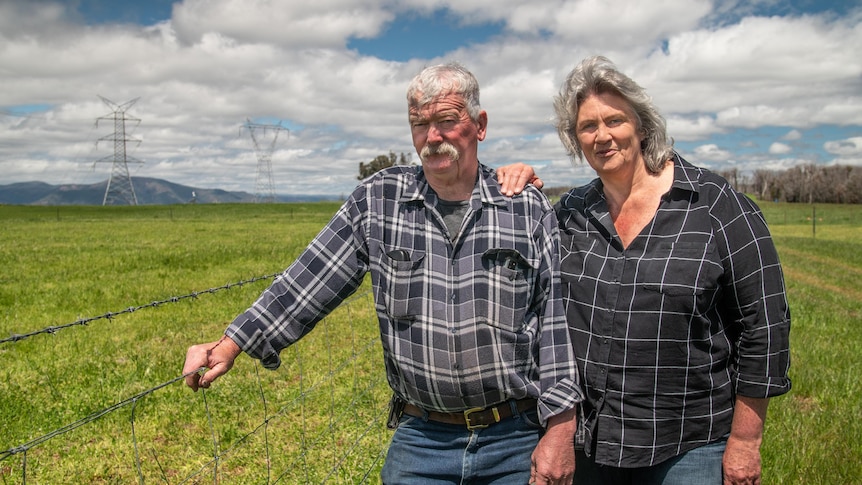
{"x": 598, "y": 75}
{"x": 452, "y": 78}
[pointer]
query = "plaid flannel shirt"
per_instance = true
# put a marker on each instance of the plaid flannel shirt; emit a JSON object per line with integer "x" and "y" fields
{"x": 467, "y": 320}
{"x": 670, "y": 329}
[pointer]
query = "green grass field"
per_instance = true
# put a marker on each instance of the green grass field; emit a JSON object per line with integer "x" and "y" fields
{"x": 814, "y": 433}
{"x": 62, "y": 264}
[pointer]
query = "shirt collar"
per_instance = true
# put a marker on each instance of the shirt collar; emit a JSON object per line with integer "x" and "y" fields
{"x": 685, "y": 177}
{"x": 486, "y": 191}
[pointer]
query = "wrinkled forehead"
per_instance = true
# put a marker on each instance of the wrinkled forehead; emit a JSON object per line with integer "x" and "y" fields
{"x": 426, "y": 107}
{"x": 420, "y": 99}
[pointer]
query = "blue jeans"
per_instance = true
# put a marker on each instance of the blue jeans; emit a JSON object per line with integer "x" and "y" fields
{"x": 427, "y": 452}
{"x": 700, "y": 466}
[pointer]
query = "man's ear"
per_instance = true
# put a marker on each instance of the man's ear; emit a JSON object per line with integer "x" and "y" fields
{"x": 482, "y": 125}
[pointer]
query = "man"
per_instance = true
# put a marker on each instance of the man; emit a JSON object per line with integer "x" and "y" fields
{"x": 466, "y": 287}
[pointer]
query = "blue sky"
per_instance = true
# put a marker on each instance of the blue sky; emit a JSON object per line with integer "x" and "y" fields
{"x": 745, "y": 85}
{"x": 411, "y": 35}
{"x": 415, "y": 35}
{"x": 418, "y": 34}
{"x": 146, "y": 12}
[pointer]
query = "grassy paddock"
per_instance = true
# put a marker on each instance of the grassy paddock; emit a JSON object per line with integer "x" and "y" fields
{"x": 60, "y": 264}
{"x": 814, "y": 433}
{"x": 64, "y": 264}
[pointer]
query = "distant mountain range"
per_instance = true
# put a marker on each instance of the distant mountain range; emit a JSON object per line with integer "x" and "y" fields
{"x": 148, "y": 191}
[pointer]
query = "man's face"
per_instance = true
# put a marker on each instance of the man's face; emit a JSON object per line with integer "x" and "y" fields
{"x": 444, "y": 135}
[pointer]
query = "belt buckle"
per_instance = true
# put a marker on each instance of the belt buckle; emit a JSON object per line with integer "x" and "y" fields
{"x": 470, "y": 411}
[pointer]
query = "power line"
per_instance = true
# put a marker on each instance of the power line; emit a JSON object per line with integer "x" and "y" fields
{"x": 264, "y": 187}
{"x": 120, "y": 188}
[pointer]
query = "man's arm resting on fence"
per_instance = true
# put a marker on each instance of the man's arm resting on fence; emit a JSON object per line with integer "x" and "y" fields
{"x": 216, "y": 356}
{"x": 554, "y": 457}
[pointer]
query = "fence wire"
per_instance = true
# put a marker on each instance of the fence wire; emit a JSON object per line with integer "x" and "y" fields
{"x": 15, "y": 337}
{"x": 332, "y": 429}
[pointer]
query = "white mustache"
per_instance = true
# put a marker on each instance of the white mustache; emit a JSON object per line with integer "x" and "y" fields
{"x": 441, "y": 149}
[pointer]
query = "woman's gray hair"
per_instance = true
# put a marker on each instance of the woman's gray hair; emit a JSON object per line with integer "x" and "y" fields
{"x": 598, "y": 75}
{"x": 452, "y": 78}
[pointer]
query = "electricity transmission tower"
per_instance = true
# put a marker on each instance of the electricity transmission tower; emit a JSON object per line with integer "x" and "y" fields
{"x": 120, "y": 189}
{"x": 264, "y": 188}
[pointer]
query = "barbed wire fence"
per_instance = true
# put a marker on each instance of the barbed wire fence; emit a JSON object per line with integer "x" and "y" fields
{"x": 328, "y": 428}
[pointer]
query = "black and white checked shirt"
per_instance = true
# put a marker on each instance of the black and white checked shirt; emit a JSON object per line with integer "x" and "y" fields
{"x": 670, "y": 329}
{"x": 468, "y": 321}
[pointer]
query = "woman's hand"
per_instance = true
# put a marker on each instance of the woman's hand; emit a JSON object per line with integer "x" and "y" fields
{"x": 514, "y": 177}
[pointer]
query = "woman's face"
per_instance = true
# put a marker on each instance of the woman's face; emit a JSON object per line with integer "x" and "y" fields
{"x": 608, "y": 134}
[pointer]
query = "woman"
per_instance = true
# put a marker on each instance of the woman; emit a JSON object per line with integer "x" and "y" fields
{"x": 674, "y": 295}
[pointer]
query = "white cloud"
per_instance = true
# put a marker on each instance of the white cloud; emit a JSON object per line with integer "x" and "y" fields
{"x": 321, "y": 23}
{"x": 710, "y": 153}
{"x": 201, "y": 73}
{"x": 780, "y": 148}
{"x": 846, "y": 152}
{"x": 762, "y": 70}
{"x": 850, "y": 147}
{"x": 753, "y": 116}
{"x": 684, "y": 128}
{"x": 619, "y": 25}
{"x": 792, "y": 135}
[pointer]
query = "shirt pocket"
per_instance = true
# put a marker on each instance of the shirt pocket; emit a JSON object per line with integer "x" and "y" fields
{"x": 506, "y": 296}
{"x": 402, "y": 270}
{"x": 682, "y": 268}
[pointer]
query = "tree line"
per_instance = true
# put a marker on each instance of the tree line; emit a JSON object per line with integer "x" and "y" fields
{"x": 382, "y": 161}
{"x": 809, "y": 183}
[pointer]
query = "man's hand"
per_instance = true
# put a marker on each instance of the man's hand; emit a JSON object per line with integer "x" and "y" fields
{"x": 554, "y": 456}
{"x": 514, "y": 177}
{"x": 741, "y": 461}
{"x": 217, "y": 357}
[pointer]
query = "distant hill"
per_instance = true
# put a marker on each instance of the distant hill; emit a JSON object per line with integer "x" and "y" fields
{"x": 148, "y": 191}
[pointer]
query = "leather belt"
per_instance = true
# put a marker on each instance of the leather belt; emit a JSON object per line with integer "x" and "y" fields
{"x": 474, "y": 418}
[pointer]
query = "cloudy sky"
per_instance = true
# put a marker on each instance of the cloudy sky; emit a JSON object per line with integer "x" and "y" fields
{"x": 747, "y": 84}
